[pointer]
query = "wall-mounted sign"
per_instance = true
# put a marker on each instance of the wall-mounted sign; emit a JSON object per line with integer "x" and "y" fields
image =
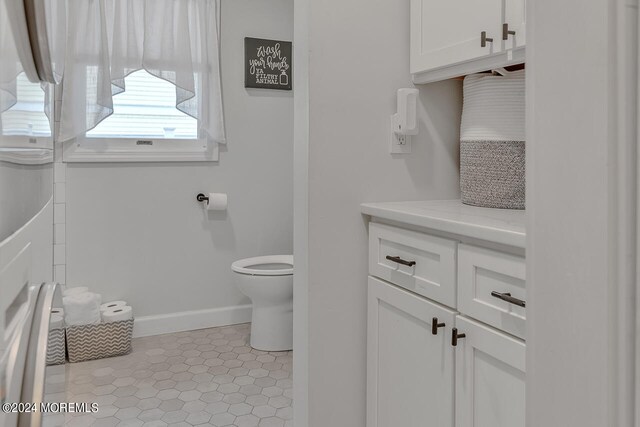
{"x": 267, "y": 64}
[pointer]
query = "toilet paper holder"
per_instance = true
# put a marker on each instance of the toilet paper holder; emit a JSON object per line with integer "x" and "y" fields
{"x": 202, "y": 198}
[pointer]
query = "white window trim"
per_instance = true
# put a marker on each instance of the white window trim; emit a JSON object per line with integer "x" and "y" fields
{"x": 103, "y": 150}
{"x": 27, "y": 156}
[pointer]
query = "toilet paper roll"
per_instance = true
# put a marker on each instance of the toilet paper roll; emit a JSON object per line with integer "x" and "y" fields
{"x": 57, "y": 310}
{"x": 117, "y": 314}
{"x": 112, "y": 304}
{"x": 74, "y": 291}
{"x": 217, "y": 202}
{"x": 56, "y": 322}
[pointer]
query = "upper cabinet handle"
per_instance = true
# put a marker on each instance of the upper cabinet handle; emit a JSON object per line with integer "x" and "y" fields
{"x": 484, "y": 39}
{"x": 506, "y": 32}
{"x": 401, "y": 261}
{"x": 508, "y": 298}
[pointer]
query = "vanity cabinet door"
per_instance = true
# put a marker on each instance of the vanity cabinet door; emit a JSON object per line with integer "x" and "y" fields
{"x": 490, "y": 377}
{"x": 446, "y": 32}
{"x": 410, "y": 371}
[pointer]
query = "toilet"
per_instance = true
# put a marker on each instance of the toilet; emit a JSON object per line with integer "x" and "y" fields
{"x": 268, "y": 281}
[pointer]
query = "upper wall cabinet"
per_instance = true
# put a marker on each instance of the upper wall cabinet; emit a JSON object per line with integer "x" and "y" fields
{"x": 451, "y": 38}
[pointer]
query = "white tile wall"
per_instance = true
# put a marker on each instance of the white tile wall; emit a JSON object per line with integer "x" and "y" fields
{"x": 59, "y": 213}
{"x": 59, "y": 236}
{"x": 60, "y": 200}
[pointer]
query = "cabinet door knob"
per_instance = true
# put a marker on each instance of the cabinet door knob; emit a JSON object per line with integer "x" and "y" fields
{"x": 435, "y": 325}
{"x": 401, "y": 261}
{"x": 484, "y": 39}
{"x": 506, "y": 32}
{"x": 455, "y": 336}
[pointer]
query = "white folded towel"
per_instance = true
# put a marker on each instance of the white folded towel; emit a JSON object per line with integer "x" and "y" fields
{"x": 82, "y": 309}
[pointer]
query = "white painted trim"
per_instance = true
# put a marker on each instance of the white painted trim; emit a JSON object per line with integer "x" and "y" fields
{"x": 624, "y": 189}
{"x": 27, "y": 141}
{"x": 503, "y": 59}
{"x": 191, "y": 320}
{"x": 608, "y": 316}
{"x": 27, "y": 156}
{"x": 301, "y": 14}
{"x": 635, "y": 139}
{"x": 97, "y": 150}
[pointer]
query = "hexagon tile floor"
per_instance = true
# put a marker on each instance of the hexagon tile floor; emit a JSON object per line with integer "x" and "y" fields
{"x": 204, "y": 377}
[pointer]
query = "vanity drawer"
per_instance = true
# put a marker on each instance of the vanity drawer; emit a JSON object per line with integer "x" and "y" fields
{"x": 418, "y": 262}
{"x": 485, "y": 277}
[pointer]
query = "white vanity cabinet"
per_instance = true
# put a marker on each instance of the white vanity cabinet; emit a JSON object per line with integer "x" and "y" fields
{"x": 490, "y": 377}
{"x": 446, "y": 316}
{"x": 451, "y": 38}
{"x": 411, "y": 364}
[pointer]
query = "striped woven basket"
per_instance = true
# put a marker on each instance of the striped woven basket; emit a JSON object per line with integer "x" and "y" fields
{"x": 492, "y": 141}
{"x": 88, "y": 342}
{"x": 56, "y": 347}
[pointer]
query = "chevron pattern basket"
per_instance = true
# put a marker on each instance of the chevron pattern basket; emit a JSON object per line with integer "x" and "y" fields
{"x": 56, "y": 347}
{"x": 88, "y": 342}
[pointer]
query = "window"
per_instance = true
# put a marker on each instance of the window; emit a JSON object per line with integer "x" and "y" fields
{"x": 25, "y": 128}
{"x": 145, "y": 126}
{"x": 147, "y": 109}
{"x": 26, "y": 117}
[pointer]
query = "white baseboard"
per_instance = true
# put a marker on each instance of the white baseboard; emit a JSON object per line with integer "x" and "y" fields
{"x": 191, "y": 320}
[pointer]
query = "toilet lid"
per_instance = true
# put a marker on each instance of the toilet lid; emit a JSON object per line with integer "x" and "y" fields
{"x": 270, "y": 265}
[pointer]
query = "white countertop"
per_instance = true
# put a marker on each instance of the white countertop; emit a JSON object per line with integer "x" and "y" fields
{"x": 503, "y": 226}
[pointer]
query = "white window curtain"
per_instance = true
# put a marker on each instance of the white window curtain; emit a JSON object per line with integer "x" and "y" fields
{"x": 176, "y": 40}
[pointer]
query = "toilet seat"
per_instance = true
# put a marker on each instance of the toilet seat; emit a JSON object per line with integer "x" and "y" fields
{"x": 251, "y": 266}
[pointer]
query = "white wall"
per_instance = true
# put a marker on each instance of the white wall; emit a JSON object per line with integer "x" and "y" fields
{"x": 359, "y": 57}
{"x": 135, "y": 231}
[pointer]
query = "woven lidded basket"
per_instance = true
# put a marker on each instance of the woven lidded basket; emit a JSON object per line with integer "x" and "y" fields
{"x": 492, "y": 142}
{"x": 56, "y": 347}
{"x": 88, "y": 342}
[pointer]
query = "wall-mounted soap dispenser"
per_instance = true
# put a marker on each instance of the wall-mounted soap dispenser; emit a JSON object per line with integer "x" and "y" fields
{"x": 404, "y": 123}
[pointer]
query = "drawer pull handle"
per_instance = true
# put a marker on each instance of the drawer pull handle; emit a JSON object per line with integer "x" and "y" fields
{"x": 435, "y": 325}
{"x": 508, "y": 298}
{"x": 455, "y": 336}
{"x": 401, "y": 261}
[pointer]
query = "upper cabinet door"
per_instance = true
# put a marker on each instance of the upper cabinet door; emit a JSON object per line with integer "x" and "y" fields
{"x": 445, "y": 32}
{"x": 516, "y": 23}
{"x": 410, "y": 370}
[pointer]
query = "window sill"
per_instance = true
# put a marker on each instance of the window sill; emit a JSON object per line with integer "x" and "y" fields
{"x": 26, "y": 156}
{"x": 88, "y": 150}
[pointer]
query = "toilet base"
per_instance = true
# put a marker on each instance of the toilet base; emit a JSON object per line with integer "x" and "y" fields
{"x": 268, "y": 282}
{"x": 272, "y": 327}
